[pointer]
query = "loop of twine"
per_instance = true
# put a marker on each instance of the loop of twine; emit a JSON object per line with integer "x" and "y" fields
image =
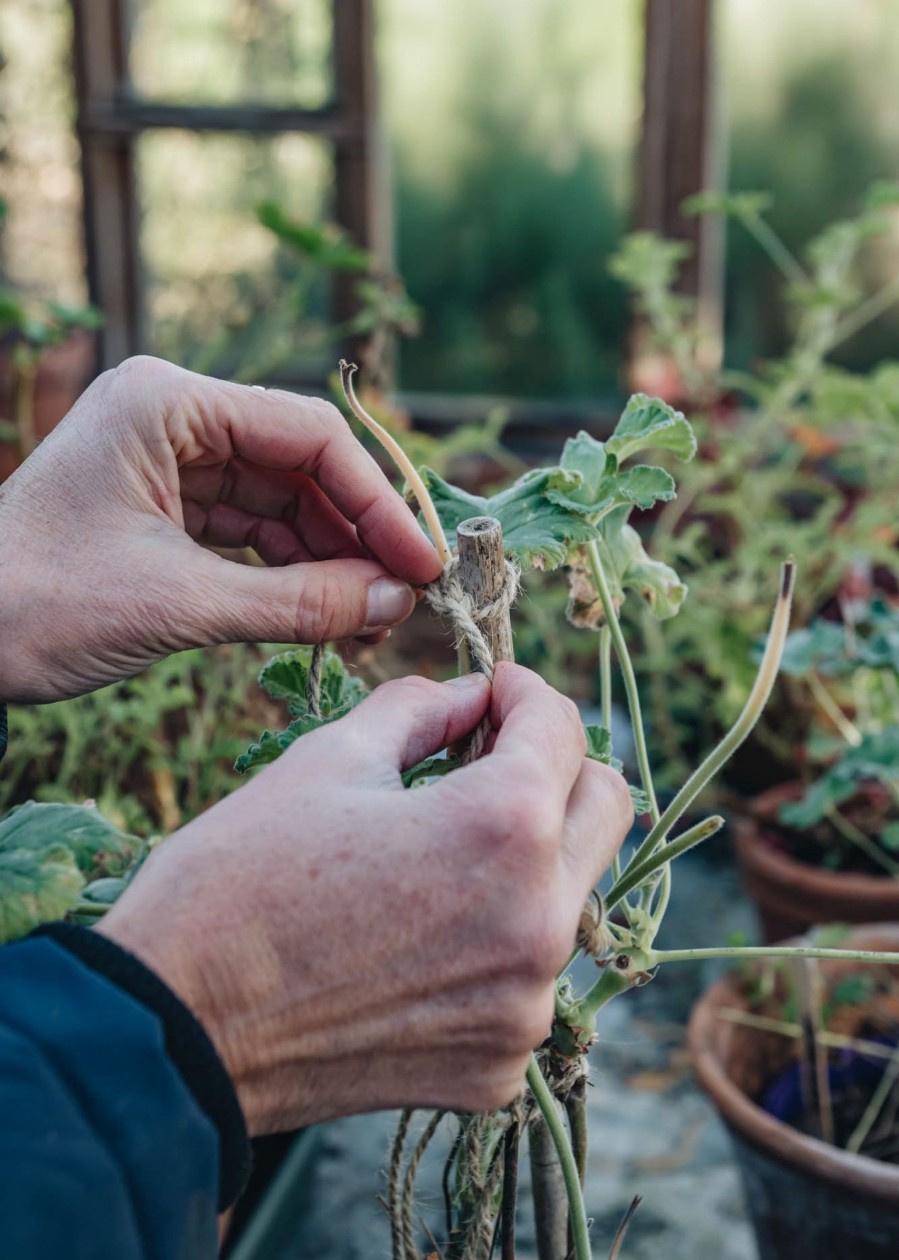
{"x": 447, "y": 597}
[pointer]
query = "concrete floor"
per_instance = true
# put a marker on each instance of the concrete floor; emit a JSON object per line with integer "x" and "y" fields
{"x": 652, "y": 1132}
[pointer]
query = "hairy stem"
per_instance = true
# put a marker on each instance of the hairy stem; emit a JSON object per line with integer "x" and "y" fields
{"x": 577, "y": 1212}
{"x": 658, "y": 956}
{"x": 638, "y": 873}
{"x": 399, "y": 457}
{"x": 627, "y": 672}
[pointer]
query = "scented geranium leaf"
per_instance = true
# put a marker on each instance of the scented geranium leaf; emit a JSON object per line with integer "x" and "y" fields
{"x": 97, "y": 846}
{"x": 817, "y": 802}
{"x": 820, "y": 647}
{"x": 649, "y": 423}
{"x": 286, "y": 677}
{"x": 875, "y": 758}
{"x": 639, "y": 800}
{"x": 599, "y": 746}
{"x": 37, "y": 885}
{"x": 271, "y": 744}
{"x": 536, "y": 530}
{"x": 631, "y": 569}
{"x": 602, "y": 486}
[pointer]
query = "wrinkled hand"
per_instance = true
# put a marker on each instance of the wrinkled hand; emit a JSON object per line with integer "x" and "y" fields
{"x": 100, "y": 569}
{"x": 350, "y": 945}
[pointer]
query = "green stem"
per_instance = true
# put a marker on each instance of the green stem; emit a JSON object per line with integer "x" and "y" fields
{"x": 605, "y": 701}
{"x": 96, "y": 908}
{"x": 856, "y": 836}
{"x": 659, "y": 956}
{"x": 627, "y": 673}
{"x": 869, "y": 310}
{"x": 774, "y": 248}
{"x": 638, "y": 872}
{"x": 758, "y": 696}
{"x": 577, "y": 1212}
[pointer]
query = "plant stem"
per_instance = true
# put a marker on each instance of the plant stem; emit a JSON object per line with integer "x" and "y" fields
{"x": 627, "y": 673}
{"x": 605, "y": 701}
{"x": 758, "y": 696}
{"x": 774, "y": 247}
{"x": 576, "y": 1210}
{"x": 869, "y": 310}
{"x": 873, "y": 1109}
{"x": 659, "y": 956}
{"x": 637, "y": 873}
{"x": 95, "y": 908}
{"x": 400, "y": 458}
{"x": 839, "y": 1041}
{"x": 826, "y": 702}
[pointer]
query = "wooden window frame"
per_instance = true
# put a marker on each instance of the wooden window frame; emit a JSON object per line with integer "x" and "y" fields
{"x": 111, "y": 117}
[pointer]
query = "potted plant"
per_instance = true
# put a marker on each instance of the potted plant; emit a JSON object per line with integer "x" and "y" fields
{"x": 797, "y": 456}
{"x": 825, "y": 848}
{"x": 804, "y": 1075}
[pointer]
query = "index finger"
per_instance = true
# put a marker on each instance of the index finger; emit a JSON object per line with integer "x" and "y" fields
{"x": 540, "y": 742}
{"x": 290, "y": 432}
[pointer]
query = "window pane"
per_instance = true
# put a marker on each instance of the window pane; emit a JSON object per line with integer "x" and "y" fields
{"x": 513, "y": 129}
{"x": 41, "y": 240}
{"x": 813, "y": 119}
{"x": 223, "y": 295}
{"x": 213, "y": 52}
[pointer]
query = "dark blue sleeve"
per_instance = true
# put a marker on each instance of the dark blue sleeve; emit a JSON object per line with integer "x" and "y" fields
{"x": 105, "y": 1153}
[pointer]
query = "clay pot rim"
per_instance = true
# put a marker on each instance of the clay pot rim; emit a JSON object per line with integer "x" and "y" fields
{"x": 868, "y": 1177}
{"x": 759, "y": 854}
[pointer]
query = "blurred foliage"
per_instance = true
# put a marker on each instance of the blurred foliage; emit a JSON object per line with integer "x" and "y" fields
{"x": 152, "y": 751}
{"x": 797, "y": 457}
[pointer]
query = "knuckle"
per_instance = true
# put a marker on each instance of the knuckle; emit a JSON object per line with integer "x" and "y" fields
{"x": 142, "y": 367}
{"x": 319, "y": 610}
{"x": 522, "y": 1021}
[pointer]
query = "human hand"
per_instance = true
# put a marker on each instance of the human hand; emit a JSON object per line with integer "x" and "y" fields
{"x": 350, "y": 945}
{"x": 100, "y": 568}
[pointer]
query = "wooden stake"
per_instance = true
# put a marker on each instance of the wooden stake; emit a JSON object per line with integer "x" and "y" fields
{"x": 482, "y": 573}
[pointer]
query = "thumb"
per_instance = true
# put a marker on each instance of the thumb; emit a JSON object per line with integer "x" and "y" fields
{"x": 314, "y": 602}
{"x": 406, "y": 720}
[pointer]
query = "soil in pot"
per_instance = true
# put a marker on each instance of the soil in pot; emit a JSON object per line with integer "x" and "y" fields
{"x": 806, "y": 1197}
{"x": 791, "y": 891}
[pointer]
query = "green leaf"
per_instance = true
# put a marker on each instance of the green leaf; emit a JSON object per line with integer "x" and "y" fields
{"x": 741, "y": 205}
{"x": 599, "y": 745}
{"x": 97, "y": 846}
{"x": 36, "y": 886}
{"x": 889, "y": 837}
{"x": 602, "y": 487}
{"x": 430, "y": 768}
{"x": 535, "y": 529}
{"x": 631, "y": 569}
{"x": 876, "y": 758}
{"x": 271, "y": 744}
{"x": 649, "y": 423}
{"x": 286, "y": 677}
{"x": 639, "y": 800}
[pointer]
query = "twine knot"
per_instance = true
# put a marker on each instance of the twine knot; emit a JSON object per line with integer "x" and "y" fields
{"x": 447, "y": 597}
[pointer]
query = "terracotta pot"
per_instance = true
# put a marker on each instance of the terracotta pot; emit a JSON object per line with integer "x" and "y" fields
{"x": 792, "y": 896}
{"x": 64, "y": 373}
{"x": 805, "y": 1198}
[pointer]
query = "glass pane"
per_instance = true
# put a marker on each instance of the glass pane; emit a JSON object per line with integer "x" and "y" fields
{"x": 223, "y": 296}
{"x": 812, "y": 118}
{"x": 215, "y": 52}
{"x": 513, "y": 129}
{"x": 41, "y": 240}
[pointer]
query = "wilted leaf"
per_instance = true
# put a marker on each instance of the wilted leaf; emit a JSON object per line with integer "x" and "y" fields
{"x": 36, "y": 886}
{"x": 630, "y": 569}
{"x": 97, "y": 846}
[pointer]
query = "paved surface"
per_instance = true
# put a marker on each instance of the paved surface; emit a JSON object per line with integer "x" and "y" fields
{"x": 651, "y": 1132}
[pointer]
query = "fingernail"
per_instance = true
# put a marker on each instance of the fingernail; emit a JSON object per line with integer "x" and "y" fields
{"x": 467, "y": 680}
{"x": 389, "y": 601}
